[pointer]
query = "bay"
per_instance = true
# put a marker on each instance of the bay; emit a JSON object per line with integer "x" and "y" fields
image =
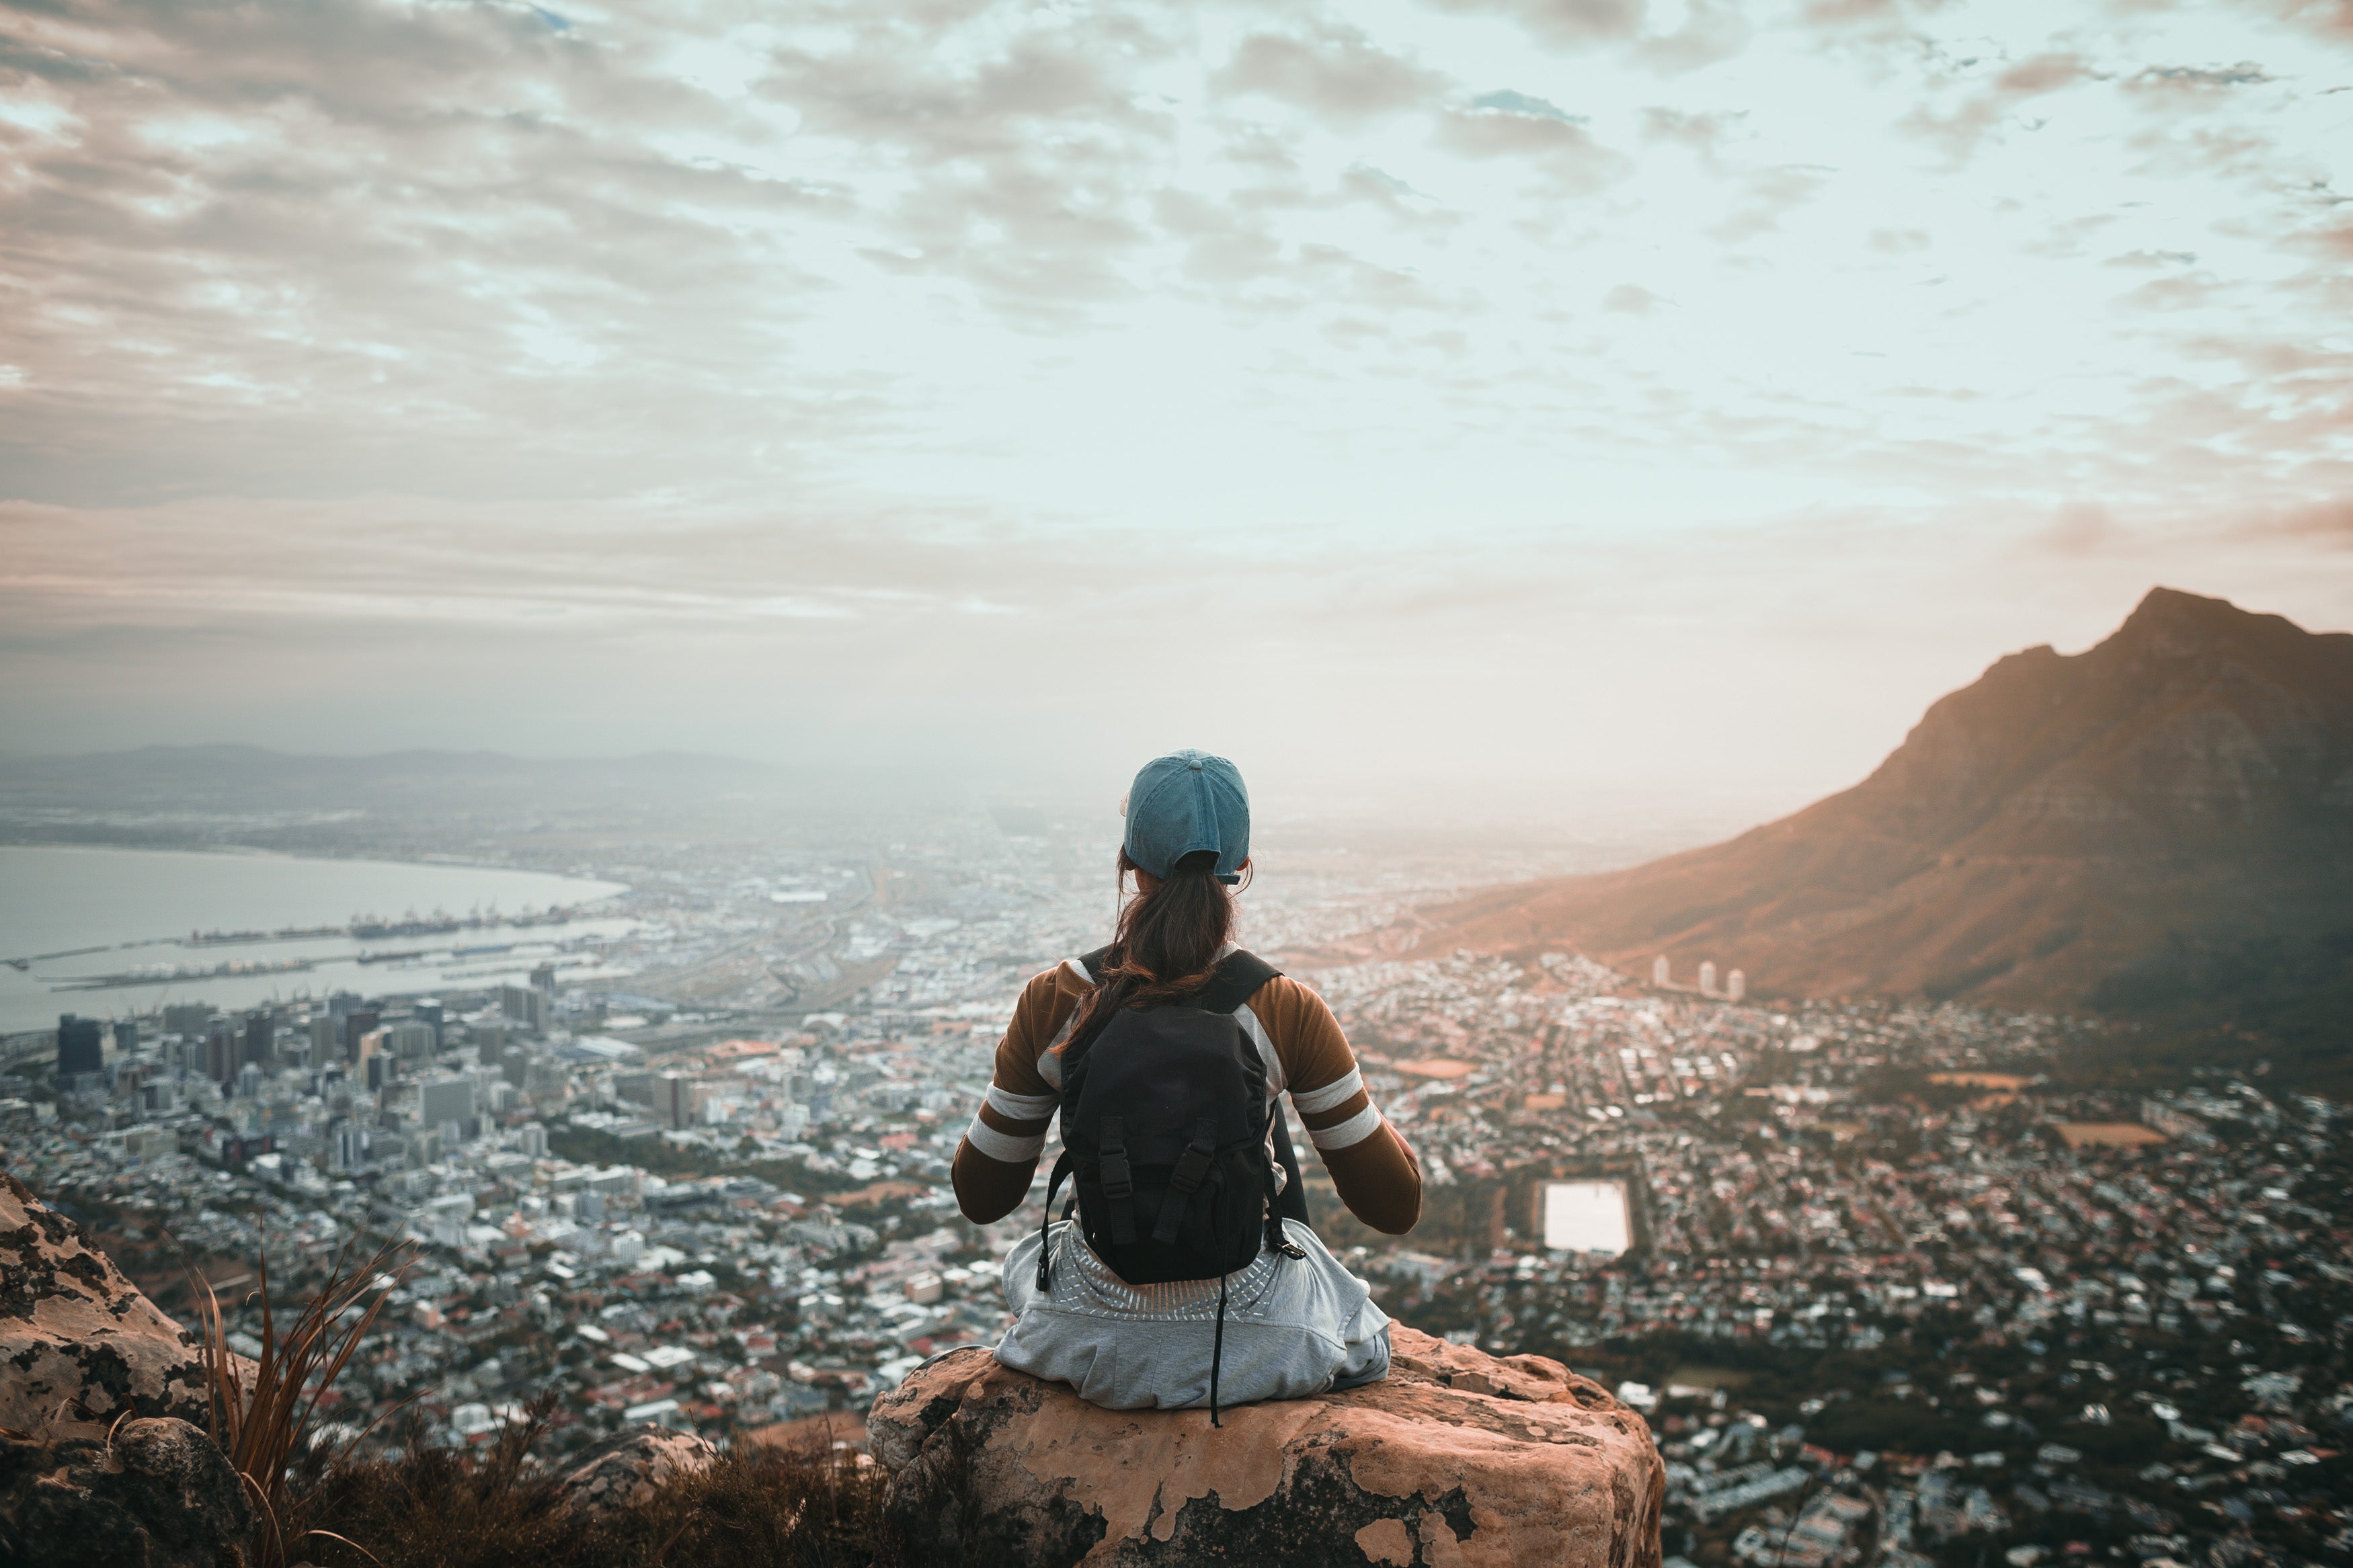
{"x": 140, "y": 907}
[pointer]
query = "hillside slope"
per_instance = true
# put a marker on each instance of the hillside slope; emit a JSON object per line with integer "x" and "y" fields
{"x": 2175, "y": 802}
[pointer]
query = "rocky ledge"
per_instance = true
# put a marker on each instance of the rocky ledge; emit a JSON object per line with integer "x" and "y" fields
{"x": 103, "y": 1458}
{"x": 1457, "y": 1458}
{"x": 153, "y": 1493}
{"x": 629, "y": 1466}
{"x": 79, "y": 1344}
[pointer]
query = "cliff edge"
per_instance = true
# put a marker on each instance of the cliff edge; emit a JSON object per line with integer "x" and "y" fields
{"x": 1457, "y": 1458}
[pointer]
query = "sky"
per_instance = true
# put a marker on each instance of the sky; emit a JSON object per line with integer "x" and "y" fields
{"x": 1564, "y": 400}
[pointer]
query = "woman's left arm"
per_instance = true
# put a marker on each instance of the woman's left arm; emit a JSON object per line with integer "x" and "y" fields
{"x": 1373, "y": 1168}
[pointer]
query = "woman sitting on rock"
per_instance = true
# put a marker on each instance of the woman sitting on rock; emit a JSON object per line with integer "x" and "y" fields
{"x": 1191, "y": 1276}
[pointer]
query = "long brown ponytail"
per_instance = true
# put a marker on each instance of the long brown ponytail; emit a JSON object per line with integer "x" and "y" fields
{"x": 1168, "y": 945}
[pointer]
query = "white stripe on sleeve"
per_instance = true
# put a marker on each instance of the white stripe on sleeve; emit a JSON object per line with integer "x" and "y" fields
{"x": 1022, "y": 1106}
{"x": 1356, "y": 1130}
{"x": 1330, "y": 1095}
{"x": 1080, "y": 969}
{"x": 1003, "y": 1147}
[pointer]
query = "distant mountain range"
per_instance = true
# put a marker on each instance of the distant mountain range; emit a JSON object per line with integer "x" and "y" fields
{"x": 2162, "y": 824}
{"x": 255, "y": 777}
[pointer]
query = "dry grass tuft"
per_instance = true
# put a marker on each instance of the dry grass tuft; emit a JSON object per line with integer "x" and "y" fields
{"x": 439, "y": 1508}
{"x": 262, "y": 1411}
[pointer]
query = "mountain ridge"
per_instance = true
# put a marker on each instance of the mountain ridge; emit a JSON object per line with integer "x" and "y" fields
{"x": 2184, "y": 786}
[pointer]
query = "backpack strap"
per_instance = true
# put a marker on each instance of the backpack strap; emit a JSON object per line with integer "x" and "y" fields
{"x": 1118, "y": 1185}
{"x": 1238, "y": 978}
{"x": 1292, "y": 1202}
{"x": 1064, "y": 1166}
{"x": 1185, "y": 1180}
{"x": 1094, "y": 962}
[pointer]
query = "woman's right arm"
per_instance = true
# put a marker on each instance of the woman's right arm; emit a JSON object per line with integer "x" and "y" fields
{"x": 998, "y": 1153}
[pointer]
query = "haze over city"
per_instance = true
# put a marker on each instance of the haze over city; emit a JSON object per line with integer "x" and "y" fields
{"x": 1479, "y": 396}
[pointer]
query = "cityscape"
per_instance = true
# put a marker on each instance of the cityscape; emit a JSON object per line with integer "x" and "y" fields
{"x": 1898, "y": 1284}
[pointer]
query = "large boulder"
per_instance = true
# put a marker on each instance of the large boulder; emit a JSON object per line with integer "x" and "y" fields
{"x": 629, "y": 1466}
{"x": 79, "y": 1344}
{"x": 152, "y": 1494}
{"x": 1457, "y": 1458}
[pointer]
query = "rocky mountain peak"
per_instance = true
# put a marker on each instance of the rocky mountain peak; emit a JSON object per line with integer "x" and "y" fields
{"x": 2183, "y": 786}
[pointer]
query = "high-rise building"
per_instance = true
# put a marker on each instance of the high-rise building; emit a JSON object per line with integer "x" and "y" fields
{"x": 221, "y": 1052}
{"x": 323, "y": 1036}
{"x": 1735, "y": 986}
{"x": 531, "y": 1139}
{"x": 410, "y": 1039}
{"x": 347, "y": 1144}
{"x": 358, "y": 1023}
{"x": 1659, "y": 971}
{"x": 542, "y": 977}
{"x": 261, "y": 1040}
{"x": 1707, "y": 977}
{"x": 446, "y": 1099}
{"x": 431, "y": 1012}
{"x": 81, "y": 1046}
{"x": 527, "y": 1006}
{"x": 126, "y": 1037}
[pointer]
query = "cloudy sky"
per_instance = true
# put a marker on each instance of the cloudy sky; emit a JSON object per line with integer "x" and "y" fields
{"x": 1576, "y": 395}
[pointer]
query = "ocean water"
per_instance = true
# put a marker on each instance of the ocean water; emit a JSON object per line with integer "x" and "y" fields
{"x": 140, "y": 906}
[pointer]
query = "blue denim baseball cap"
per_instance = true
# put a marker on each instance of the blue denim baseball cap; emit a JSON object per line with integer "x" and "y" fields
{"x": 1185, "y": 802}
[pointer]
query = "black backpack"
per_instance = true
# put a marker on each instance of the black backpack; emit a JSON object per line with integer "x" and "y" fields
{"x": 1167, "y": 1128}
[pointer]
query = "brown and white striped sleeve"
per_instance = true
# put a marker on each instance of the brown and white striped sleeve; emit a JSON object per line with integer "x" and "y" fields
{"x": 997, "y": 1155}
{"x": 1372, "y": 1167}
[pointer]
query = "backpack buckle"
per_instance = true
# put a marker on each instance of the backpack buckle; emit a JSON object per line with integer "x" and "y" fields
{"x": 1118, "y": 1181}
{"x": 1190, "y": 1169}
{"x": 1185, "y": 1180}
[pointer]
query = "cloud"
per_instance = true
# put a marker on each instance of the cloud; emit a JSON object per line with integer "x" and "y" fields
{"x": 2173, "y": 82}
{"x": 1706, "y": 133}
{"x": 1713, "y": 31}
{"x": 1571, "y": 21}
{"x": 1983, "y": 111}
{"x": 1509, "y": 102}
{"x": 2080, "y": 527}
{"x": 1336, "y": 75}
{"x": 2181, "y": 291}
{"x": 1558, "y": 147}
{"x": 2327, "y": 521}
{"x": 1767, "y": 196}
{"x": 871, "y": 367}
